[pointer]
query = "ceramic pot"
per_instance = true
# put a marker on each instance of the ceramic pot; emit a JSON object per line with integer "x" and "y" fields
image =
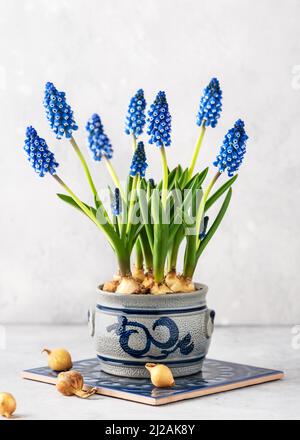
{"x": 132, "y": 330}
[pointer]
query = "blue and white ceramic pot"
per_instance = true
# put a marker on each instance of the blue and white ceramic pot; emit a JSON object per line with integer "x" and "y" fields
{"x": 132, "y": 330}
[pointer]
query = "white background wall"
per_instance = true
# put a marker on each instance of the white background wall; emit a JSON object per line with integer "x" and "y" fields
{"x": 100, "y": 52}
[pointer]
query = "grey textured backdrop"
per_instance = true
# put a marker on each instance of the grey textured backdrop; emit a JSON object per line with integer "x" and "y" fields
{"x": 100, "y": 52}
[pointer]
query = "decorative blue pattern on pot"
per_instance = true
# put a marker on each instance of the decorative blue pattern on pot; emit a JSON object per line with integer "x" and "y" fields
{"x": 184, "y": 345}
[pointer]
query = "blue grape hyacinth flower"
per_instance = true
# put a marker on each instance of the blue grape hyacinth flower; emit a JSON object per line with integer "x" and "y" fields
{"x": 233, "y": 149}
{"x": 136, "y": 118}
{"x": 39, "y": 155}
{"x": 139, "y": 161}
{"x": 116, "y": 205}
{"x": 98, "y": 141}
{"x": 204, "y": 228}
{"x": 210, "y": 105}
{"x": 159, "y": 122}
{"x": 59, "y": 113}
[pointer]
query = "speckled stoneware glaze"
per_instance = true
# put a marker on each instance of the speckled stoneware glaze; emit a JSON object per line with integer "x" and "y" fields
{"x": 132, "y": 330}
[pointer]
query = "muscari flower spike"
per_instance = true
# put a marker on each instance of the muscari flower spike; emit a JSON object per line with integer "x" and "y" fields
{"x": 159, "y": 122}
{"x": 151, "y": 183}
{"x": 210, "y": 105}
{"x": 39, "y": 155}
{"x": 98, "y": 141}
{"x": 136, "y": 118}
{"x": 59, "y": 113}
{"x": 204, "y": 228}
{"x": 139, "y": 161}
{"x": 233, "y": 149}
{"x": 116, "y": 205}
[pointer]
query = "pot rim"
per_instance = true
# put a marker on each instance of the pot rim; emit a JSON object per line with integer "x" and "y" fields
{"x": 202, "y": 290}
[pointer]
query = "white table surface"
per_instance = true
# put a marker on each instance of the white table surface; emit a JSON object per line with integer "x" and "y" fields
{"x": 269, "y": 347}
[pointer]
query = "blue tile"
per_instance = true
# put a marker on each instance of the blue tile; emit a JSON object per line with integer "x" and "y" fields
{"x": 215, "y": 374}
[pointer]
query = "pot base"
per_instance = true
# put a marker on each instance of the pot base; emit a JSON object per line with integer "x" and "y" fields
{"x": 140, "y": 372}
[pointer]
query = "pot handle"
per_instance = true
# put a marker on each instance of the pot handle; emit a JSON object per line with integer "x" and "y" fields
{"x": 209, "y": 322}
{"x": 91, "y": 321}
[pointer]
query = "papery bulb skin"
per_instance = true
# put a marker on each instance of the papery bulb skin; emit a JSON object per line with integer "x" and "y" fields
{"x": 128, "y": 286}
{"x": 136, "y": 118}
{"x": 171, "y": 278}
{"x": 40, "y": 157}
{"x": 111, "y": 286}
{"x": 148, "y": 282}
{"x": 71, "y": 383}
{"x": 210, "y": 107}
{"x": 138, "y": 274}
{"x": 160, "y": 289}
{"x": 98, "y": 141}
{"x": 183, "y": 285}
{"x": 58, "y": 112}
{"x": 233, "y": 149}
{"x": 159, "y": 122}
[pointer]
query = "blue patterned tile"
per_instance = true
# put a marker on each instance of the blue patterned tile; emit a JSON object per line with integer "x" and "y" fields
{"x": 215, "y": 374}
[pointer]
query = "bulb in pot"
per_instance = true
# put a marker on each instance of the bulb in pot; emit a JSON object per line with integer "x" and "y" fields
{"x": 161, "y": 375}
{"x": 160, "y": 289}
{"x": 8, "y": 405}
{"x": 183, "y": 285}
{"x": 138, "y": 274}
{"x": 71, "y": 383}
{"x": 59, "y": 359}
{"x": 128, "y": 285}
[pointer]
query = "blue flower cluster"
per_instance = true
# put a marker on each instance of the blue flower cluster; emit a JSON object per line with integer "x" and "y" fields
{"x": 204, "y": 228}
{"x": 151, "y": 183}
{"x": 98, "y": 141}
{"x": 39, "y": 155}
{"x": 116, "y": 205}
{"x": 233, "y": 149}
{"x": 160, "y": 122}
{"x": 59, "y": 113}
{"x": 210, "y": 105}
{"x": 139, "y": 161}
{"x": 136, "y": 118}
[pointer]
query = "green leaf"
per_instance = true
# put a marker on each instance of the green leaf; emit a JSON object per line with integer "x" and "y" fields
{"x": 219, "y": 192}
{"x": 183, "y": 178}
{"x": 70, "y": 201}
{"x": 107, "y": 228}
{"x": 145, "y": 211}
{"x": 216, "y": 224}
{"x": 202, "y": 176}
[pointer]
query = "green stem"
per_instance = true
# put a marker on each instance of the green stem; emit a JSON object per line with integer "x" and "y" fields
{"x": 165, "y": 176}
{"x": 134, "y": 144}
{"x": 190, "y": 258}
{"x": 123, "y": 257}
{"x": 173, "y": 254}
{"x": 202, "y": 207}
{"x": 85, "y": 166}
{"x": 197, "y": 150}
{"x": 147, "y": 252}
{"x": 114, "y": 176}
{"x": 159, "y": 267}
{"x": 139, "y": 261}
{"x": 132, "y": 201}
